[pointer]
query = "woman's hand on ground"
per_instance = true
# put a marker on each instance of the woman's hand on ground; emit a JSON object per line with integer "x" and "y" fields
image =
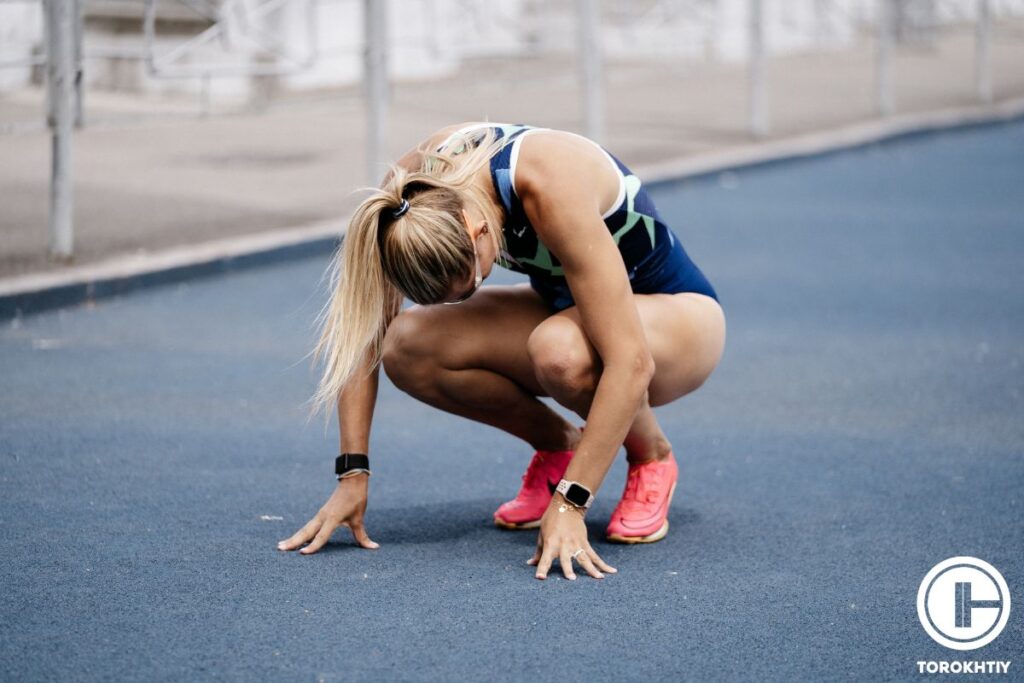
{"x": 345, "y": 507}
{"x": 563, "y": 533}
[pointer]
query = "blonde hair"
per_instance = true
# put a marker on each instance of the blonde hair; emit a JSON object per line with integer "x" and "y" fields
{"x": 419, "y": 255}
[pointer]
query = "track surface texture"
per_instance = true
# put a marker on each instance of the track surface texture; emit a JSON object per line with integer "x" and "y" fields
{"x": 864, "y": 424}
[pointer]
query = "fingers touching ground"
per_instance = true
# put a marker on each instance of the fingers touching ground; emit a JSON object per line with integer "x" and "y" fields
{"x": 537, "y": 553}
{"x": 362, "y": 538}
{"x": 588, "y": 560}
{"x": 301, "y": 536}
{"x": 547, "y": 556}
{"x": 326, "y": 529}
{"x": 317, "y": 532}
{"x": 592, "y": 563}
{"x": 601, "y": 564}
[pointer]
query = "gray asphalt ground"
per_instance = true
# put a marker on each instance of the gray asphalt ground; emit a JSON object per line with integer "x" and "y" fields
{"x": 863, "y": 425}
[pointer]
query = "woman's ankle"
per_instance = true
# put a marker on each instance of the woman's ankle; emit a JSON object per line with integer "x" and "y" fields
{"x": 567, "y": 439}
{"x": 656, "y": 450}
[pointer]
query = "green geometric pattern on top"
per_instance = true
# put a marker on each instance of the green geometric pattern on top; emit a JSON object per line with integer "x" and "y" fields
{"x": 542, "y": 259}
{"x": 632, "y": 189}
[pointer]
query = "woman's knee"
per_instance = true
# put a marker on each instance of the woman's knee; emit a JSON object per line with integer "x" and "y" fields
{"x": 562, "y": 359}
{"x": 408, "y": 348}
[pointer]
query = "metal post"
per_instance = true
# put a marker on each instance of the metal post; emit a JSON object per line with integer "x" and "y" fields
{"x": 756, "y": 85}
{"x": 79, "y": 73}
{"x": 60, "y": 71}
{"x": 591, "y": 68}
{"x": 205, "y": 97}
{"x": 982, "y": 52}
{"x": 883, "y": 58}
{"x": 376, "y": 83}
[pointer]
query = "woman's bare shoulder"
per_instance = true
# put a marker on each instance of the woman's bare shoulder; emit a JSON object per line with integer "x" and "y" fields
{"x": 547, "y": 154}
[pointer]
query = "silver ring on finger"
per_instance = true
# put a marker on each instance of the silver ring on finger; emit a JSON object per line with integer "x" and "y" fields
{"x": 573, "y": 556}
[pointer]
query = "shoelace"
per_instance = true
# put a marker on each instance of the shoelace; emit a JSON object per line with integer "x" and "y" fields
{"x": 530, "y": 477}
{"x": 533, "y": 477}
{"x": 642, "y": 486}
{"x": 533, "y": 471}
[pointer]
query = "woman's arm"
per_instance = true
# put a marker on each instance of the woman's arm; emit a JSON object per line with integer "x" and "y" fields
{"x": 562, "y": 186}
{"x": 561, "y": 190}
{"x": 347, "y": 504}
{"x": 356, "y": 402}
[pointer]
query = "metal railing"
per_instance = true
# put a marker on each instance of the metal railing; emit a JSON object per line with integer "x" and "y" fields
{"x": 61, "y": 76}
{"x": 167, "y": 65}
{"x": 64, "y": 57}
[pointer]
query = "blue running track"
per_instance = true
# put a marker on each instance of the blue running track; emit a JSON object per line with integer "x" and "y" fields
{"x": 866, "y": 422}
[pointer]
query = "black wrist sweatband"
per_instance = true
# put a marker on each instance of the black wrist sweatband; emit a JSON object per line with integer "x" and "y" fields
{"x": 351, "y": 461}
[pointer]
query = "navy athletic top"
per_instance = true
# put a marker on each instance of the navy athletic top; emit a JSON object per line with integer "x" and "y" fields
{"x": 653, "y": 255}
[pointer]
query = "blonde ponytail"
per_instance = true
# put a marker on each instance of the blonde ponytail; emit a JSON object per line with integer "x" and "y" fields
{"x": 417, "y": 254}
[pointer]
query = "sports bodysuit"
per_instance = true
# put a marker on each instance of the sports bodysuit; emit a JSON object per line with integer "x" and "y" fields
{"x": 653, "y": 255}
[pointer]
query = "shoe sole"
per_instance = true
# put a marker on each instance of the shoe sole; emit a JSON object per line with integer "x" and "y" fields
{"x": 501, "y": 524}
{"x": 649, "y": 538}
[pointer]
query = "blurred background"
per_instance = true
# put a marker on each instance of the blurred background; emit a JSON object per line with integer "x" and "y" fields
{"x": 135, "y": 126}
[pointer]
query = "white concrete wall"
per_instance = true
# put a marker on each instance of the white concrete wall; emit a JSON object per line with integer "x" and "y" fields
{"x": 421, "y": 36}
{"x": 790, "y": 26}
{"x": 21, "y": 31}
{"x": 430, "y": 38}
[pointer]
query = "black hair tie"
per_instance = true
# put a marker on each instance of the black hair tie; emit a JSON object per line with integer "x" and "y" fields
{"x": 400, "y": 211}
{"x": 383, "y": 223}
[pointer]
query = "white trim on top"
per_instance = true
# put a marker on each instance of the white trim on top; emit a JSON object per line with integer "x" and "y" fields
{"x": 466, "y": 129}
{"x": 622, "y": 179}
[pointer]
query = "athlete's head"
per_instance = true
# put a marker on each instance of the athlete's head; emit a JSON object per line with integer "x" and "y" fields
{"x": 424, "y": 233}
{"x": 419, "y": 235}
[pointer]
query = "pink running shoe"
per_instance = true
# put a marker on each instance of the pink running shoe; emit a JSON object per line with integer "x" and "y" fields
{"x": 539, "y": 482}
{"x": 642, "y": 514}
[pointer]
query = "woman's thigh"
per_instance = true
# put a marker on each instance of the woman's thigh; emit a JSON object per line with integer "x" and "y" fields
{"x": 686, "y": 335}
{"x": 488, "y": 330}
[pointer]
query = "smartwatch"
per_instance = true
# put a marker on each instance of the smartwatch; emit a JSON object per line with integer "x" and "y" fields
{"x": 576, "y": 493}
{"x": 348, "y": 462}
